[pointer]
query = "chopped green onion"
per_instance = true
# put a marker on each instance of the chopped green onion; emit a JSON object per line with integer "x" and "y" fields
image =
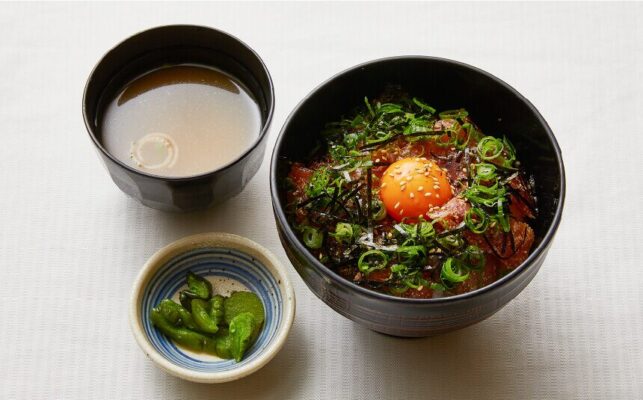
{"x": 437, "y": 287}
{"x": 476, "y": 220}
{"x": 343, "y": 233}
{"x": 313, "y": 238}
{"x": 350, "y": 140}
{"x": 454, "y": 241}
{"x": 368, "y": 105}
{"x": 417, "y": 125}
{"x": 454, "y": 114}
{"x": 485, "y": 195}
{"x": 346, "y": 233}
{"x": 490, "y": 148}
{"x": 411, "y": 253}
{"x": 471, "y": 131}
{"x": 318, "y": 182}
{"x": 485, "y": 172}
{"x": 378, "y": 212}
{"x": 424, "y": 106}
{"x": 474, "y": 257}
{"x": 337, "y": 151}
{"x": 380, "y": 136}
{"x": 398, "y": 290}
{"x": 357, "y": 121}
{"x": 389, "y": 108}
{"x": 398, "y": 268}
{"x": 501, "y": 217}
{"x": 453, "y": 271}
{"x": 416, "y": 283}
{"x": 509, "y": 147}
{"x": 372, "y": 260}
{"x": 425, "y": 230}
{"x": 454, "y": 136}
{"x": 405, "y": 229}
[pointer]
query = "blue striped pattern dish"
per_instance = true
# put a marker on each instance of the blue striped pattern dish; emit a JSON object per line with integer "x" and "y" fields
{"x": 231, "y": 263}
{"x": 208, "y": 262}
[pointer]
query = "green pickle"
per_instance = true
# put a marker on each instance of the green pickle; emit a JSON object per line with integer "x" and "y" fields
{"x": 242, "y": 330}
{"x": 202, "y": 317}
{"x": 201, "y": 287}
{"x": 176, "y": 314}
{"x": 240, "y": 302}
{"x": 223, "y": 326}
{"x": 183, "y": 336}
{"x": 216, "y": 308}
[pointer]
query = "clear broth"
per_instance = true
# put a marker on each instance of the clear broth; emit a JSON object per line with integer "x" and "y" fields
{"x": 179, "y": 121}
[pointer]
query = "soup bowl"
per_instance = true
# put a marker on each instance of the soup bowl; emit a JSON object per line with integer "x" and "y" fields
{"x": 172, "y": 45}
{"x": 497, "y": 108}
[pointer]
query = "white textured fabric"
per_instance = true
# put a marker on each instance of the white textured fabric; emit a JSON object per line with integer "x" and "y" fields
{"x": 71, "y": 243}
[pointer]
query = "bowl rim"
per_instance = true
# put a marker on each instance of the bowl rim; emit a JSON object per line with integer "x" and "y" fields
{"x": 159, "y": 258}
{"x": 280, "y": 216}
{"x": 270, "y": 97}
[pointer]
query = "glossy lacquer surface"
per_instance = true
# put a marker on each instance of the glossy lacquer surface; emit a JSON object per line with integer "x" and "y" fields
{"x": 498, "y": 109}
{"x": 172, "y": 45}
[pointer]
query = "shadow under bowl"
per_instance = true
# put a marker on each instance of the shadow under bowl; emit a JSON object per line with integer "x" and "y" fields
{"x": 172, "y": 45}
{"x": 497, "y": 109}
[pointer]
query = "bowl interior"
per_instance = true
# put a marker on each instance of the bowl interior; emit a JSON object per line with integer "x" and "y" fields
{"x": 496, "y": 107}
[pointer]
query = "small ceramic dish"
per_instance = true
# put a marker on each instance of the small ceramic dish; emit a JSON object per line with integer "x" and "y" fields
{"x": 231, "y": 263}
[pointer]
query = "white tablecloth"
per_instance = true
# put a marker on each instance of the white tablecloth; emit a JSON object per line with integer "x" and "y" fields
{"x": 71, "y": 243}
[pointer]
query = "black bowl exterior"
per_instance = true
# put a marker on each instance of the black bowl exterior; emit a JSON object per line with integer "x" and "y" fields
{"x": 179, "y": 44}
{"x": 498, "y": 109}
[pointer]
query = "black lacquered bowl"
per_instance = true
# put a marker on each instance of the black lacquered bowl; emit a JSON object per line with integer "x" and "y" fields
{"x": 498, "y": 109}
{"x": 179, "y": 44}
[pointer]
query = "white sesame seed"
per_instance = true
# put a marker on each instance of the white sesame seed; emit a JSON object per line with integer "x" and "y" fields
{"x": 396, "y": 205}
{"x": 436, "y": 187}
{"x": 409, "y": 178}
{"x": 383, "y": 185}
{"x": 402, "y": 212}
{"x": 420, "y": 188}
{"x": 437, "y": 195}
{"x": 377, "y": 160}
{"x": 464, "y": 170}
{"x": 427, "y": 194}
{"x": 411, "y": 195}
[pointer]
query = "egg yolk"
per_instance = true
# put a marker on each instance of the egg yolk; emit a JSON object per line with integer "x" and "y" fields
{"x": 412, "y": 187}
